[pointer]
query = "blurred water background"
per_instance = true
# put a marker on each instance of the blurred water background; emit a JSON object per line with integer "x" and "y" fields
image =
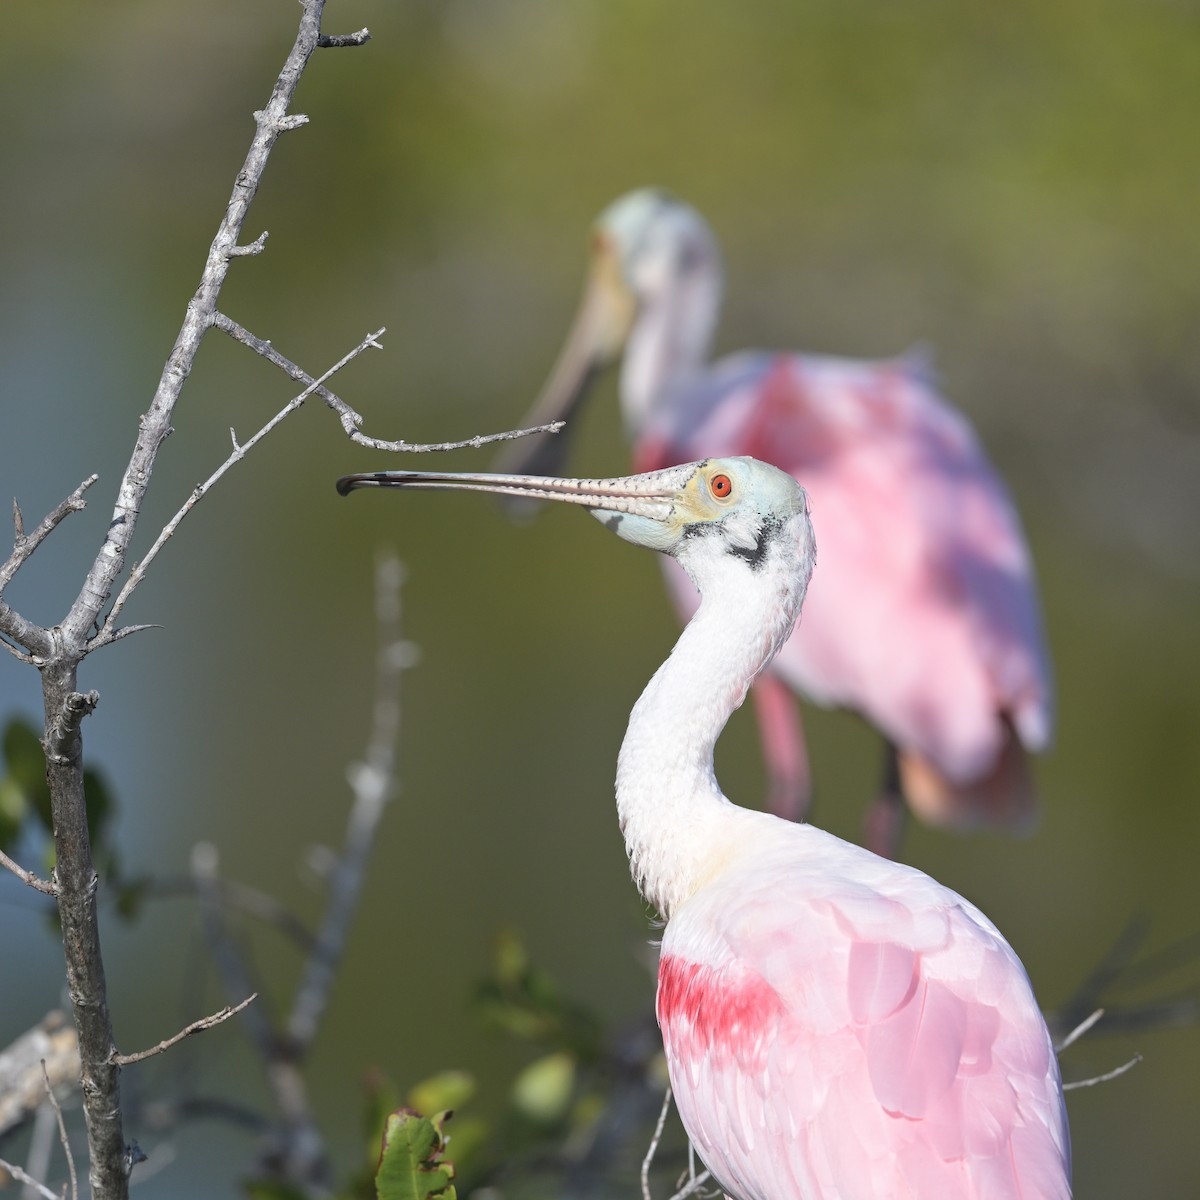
{"x": 1014, "y": 186}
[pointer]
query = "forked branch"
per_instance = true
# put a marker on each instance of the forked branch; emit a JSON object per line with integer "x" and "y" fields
{"x": 351, "y": 421}
{"x": 108, "y": 630}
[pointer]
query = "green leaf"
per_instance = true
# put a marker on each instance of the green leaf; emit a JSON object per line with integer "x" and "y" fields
{"x": 543, "y": 1090}
{"x": 12, "y": 811}
{"x": 270, "y": 1189}
{"x": 527, "y": 1002}
{"x": 99, "y": 801}
{"x": 443, "y": 1092}
{"x": 411, "y": 1165}
{"x": 382, "y": 1099}
{"x": 129, "y": 893}
{"x": 27, "y": 766}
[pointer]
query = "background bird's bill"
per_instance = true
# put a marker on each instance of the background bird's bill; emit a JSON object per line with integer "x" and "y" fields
{"x": 602, "y": 323}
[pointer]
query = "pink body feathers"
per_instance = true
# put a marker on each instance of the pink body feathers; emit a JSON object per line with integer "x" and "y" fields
{"x": 923, "y": 613}
{"x": 840, "y": 1027}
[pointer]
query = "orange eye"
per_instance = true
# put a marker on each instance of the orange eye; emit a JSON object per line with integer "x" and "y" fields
{"x": 721, "y": 486}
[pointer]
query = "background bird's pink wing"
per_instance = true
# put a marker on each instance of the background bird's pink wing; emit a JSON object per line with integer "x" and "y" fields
{"x": 828, "y": 1041}
{"x": 922, "y": 613}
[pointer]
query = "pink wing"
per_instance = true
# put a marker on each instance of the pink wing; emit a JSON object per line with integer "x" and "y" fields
{"x": 922, "y": 613}
{"x": 861, "y": 1039}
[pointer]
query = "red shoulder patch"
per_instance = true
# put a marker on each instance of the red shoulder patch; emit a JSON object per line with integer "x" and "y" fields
{"x": 704, "y": 1010}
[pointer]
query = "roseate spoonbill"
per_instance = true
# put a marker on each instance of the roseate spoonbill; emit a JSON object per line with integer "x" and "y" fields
{"x": 923, "y": 616}
{"x": 835, "y": 1024}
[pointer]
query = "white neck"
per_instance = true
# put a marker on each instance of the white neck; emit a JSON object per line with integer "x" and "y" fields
{"x": 673, "y": 814}
{"x": 670, "y": 339}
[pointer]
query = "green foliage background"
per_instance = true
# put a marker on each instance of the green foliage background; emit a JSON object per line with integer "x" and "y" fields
{"x": 1015, "y": 185}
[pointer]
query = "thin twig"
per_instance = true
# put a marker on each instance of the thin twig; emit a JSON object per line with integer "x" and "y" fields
{"x": 1121, "y": 971}
{"x": 62, "y": 1132}
{"x": 217, "y": 1018}
{"x": 693, "y": 1185}
{"x": 42, "y": 885}
{"x": 653, "y": 1147}
{"x": 1115, "y": 1073}
{"x": 108, "y": 632}
{"x": 350, "y": 420}
{"x": 22, "y": 638}
{"x": 17, "y": 653}
{"x": 28, "y": 1180}
{"x": 234, "y": 975}
{"x": 374, "y": 783}
{"x": 250, "y": 249}
{"x": 1079, "y": 1030}
{"x": 243, "y": 898}
{"x": 334, "y": 40}
{"x": 24, "y": 544}
{"x": 42, "y": 1139}
{"x": 299, "y": 1147}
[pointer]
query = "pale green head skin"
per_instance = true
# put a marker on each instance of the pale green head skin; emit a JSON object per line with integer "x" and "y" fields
{"x": 757, "y": 491}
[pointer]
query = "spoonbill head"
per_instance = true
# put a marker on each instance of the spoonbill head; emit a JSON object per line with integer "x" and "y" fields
{"x": 696, "y": 512}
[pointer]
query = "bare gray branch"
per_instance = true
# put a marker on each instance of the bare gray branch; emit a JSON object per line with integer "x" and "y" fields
{"x": 25, "y": 544}
{"x": 217, "y": 1018}
{"x": 34, "y": 881}
{"x": 374, "y": 783}
{"x": 28, "y": 1180}
{"x": 64, "y": 1141}
{"x": 334, "y": 40}
{"x": 1107, "y": 1077}
{"x": 155, "y": 425}
{"x": 108, "y": 631}
{"x": 64, "y": 729}
{"x": 51, "y": 1045}
{"x": 58, "y": 652}
{"x": 351, "y": 421}
{"x": 251, "y": 248}
{"x": 14, "y": 628}
{"x": 301, "y": 1148}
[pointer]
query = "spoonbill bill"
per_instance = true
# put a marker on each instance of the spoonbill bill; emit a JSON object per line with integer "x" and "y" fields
{"x": 923, "y": 616}
{"x": 836, "y": 1024}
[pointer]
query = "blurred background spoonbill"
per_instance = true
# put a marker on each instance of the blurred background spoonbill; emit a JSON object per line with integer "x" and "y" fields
{"x": 923, "y": 614}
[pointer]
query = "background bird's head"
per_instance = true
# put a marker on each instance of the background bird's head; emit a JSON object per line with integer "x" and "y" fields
{"x": 652, "y": 293}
